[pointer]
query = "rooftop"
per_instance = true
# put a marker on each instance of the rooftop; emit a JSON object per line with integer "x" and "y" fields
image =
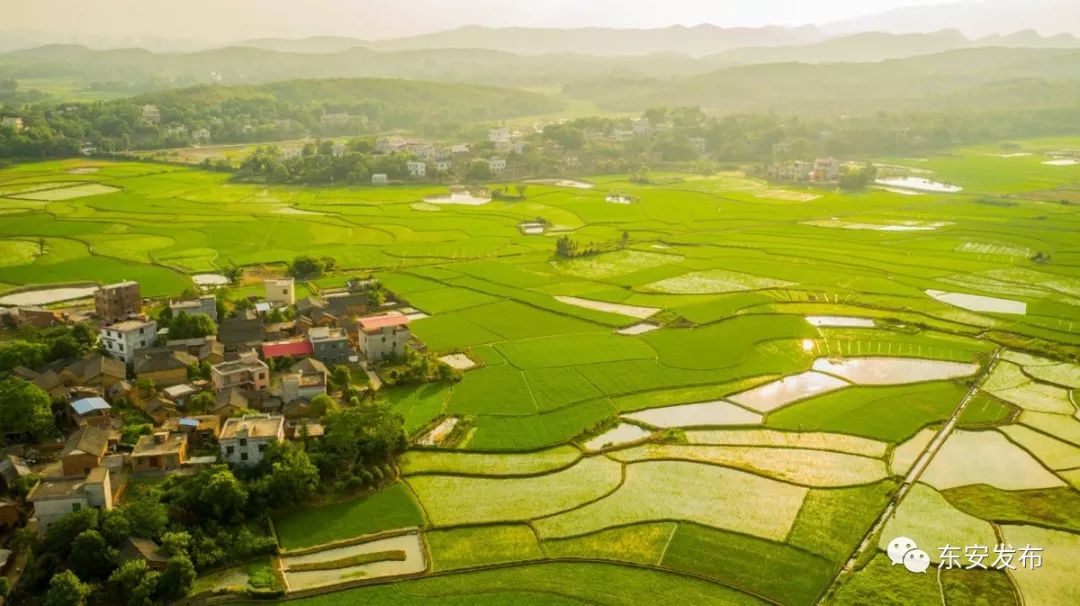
{"x": 294, "y": 348}
{"x": 160, "y": 443}
{"x": 323, "y": 333}
{"x": 129, "y": 325}
{"x": 65, "y": 488}
{"x": 372, "y": 323}
{"x": 90, "y": 440}
{"x": 246, "y": 362}
{"x": 179, "y": 391}
{"x": 258, "y": 426}
{"x": 89, "y": 405}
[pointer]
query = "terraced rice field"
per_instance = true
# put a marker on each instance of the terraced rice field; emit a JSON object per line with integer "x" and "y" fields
{"x": 794, "y": 367}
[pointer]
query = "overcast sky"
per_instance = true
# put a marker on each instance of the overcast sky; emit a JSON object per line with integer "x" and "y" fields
{"x": 230, "y": 20}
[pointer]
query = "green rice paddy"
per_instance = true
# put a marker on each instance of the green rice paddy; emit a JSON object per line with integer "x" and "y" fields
{"x": 517, "y": 512}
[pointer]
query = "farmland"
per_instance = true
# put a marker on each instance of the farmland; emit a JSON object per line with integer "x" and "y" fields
{"x": 738, "y": 453}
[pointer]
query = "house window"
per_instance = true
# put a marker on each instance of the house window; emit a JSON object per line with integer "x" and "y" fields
{"x": 243, "y": 456}
{"x": 76, "y": 507}
{"x": 243, "y": 442}
{"x": 229, "y": 450}
{"x": 262, "y": 447}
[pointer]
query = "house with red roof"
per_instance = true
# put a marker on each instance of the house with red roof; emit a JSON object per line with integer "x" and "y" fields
{"x": 295, "y": 348}
{"x": 382, "y": 336}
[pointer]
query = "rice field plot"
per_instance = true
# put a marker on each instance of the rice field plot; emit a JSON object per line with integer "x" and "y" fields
{"x": 714, "y": 281}
{"x": 1049, "y": 507}
{"x": 636, "y": 543}
{"x": 417, "y": 404}
{"x": 455, "y": 548}
{"x": 986, "y": 457}
{"x": 931, "y": 521}
{"x": 676, "y": 490}
{"x": 833, "y": 521}
{"x": 884, "y": 584}
{"x": 1008, "y": 382}
{"x": 68, "y": 193}
{"x": 893, "y": 371}
{"x": 804, "y": 467}
{"x": 905, "y": 455}
{"x": 416, "y": 462}
{"x": 454, "y": 500}
{"x": 527, "y": 433}
{"x": 1053, "y": 453}
{"x": 1062, "y": 427}
{"x": 777, "y": 571}
{"x": 790, "y": 439}
{"x": 540, "y": 584}
{"x": 701, "y": 414}
{"x": 446, "y": 332}
{"x": 389, "y": 509}
{"x": 1047, "y": 370}
{"x": 389, "y": 557}
{"x": 442, "y": 300}
{"x": 1055, "y": 581}
{"x": 613, "y": 264}
{"x": 890, "y": 414}
{"x": 984, "y": 410}
{"x": 573, "y": 350}
{"x": 492, "y": 390}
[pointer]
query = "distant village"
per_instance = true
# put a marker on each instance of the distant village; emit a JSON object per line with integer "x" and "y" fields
{"x": 147, "y": 403}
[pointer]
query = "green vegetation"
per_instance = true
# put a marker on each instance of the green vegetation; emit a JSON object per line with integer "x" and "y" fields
{"x": 479, "y": 545}
{"x": 1052, "y": 507}
{"x": 832, "y": 522}
{"x": 983, "y": 410}
{"x": 637, "y": 543}
{"x": 774, "y": 570}
{"x": 390, "y": 509}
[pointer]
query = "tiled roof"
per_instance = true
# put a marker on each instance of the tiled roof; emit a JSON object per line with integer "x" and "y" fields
{"x": 378, "y": 322}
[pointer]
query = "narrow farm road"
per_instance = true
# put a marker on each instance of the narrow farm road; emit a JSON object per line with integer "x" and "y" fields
{"x": 913, "y": 476}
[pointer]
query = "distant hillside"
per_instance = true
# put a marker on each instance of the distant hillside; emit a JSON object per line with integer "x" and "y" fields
{"x": 973, "y": 18}
{"x": 695, "y": 41}
{"x": 916, "y": 82}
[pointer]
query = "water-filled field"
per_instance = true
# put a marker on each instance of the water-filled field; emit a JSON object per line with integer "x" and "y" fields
{"x": 804, "y": 352}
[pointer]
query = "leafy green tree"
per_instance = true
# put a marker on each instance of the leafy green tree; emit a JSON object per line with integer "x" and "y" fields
{"x": 359, "y": 435}
{"x": 292, "y": 478}
{"x": 322, "y": 404}
{"x": 176, "y": 581}
{"x": 65, "y": 589}
{"x": 201, "y": 402}
{"x": 84, "y": 334}
{"x": 176, "y": 543}
{"x": 221, "y": 495}
{"x": 115, "y": 527}
{"x": 61, "y": 534}
{"x": 192, "y": 326}
{"x": 147, "y": 515}
{"x": 91, "y": 557}
{"x": 22, "y": 353}
{"x": 341, "y": 376}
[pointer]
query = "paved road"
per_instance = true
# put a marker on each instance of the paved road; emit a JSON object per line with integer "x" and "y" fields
{"x": 913, "y": 476}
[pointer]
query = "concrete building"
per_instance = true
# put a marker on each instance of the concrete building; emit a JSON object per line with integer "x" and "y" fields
{"x": 160, "y": 451}
{"x": 497, "y": 135}
{"x": 416, "y": 168}
{"x": 151, "y": 114}
{"x": 389, "y": 145}
{"x": 338, "y": 150}
{"x": 165, "y": 367}
{"x": 281, "y": 291}
{"x": 443, "y": 166}
{"x": 117, "y": 302}
{"x": 54, "y": 498}
{"x": 248, "y": 372}
{"x": 244, "y": 440}
{"x": 13, "y": 122}
{"x": 496, "y": 165}
{"x": 383, "y": 336}
{"x": 91, "y": 411}
{"x": 329, "y": 345}
{"x": 124, "y": 339}
{"x": 305, "y": 380}
{"x": 206, "y": 304}
{"x": 380, "y": 179}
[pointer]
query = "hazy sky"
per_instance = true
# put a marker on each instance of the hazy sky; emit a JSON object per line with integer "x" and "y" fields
{"x": 227, "y": 20}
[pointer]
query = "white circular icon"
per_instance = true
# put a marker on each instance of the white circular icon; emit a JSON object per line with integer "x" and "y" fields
{"x": 898, "y": 547}
{"x": 917, "y": 561}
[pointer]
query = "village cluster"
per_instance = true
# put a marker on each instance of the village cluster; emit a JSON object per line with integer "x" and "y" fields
{"x": 263, "y": 376}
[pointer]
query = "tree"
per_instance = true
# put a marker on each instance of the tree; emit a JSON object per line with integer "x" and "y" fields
{"x": 84, "y": 334}
{"x": 201, "y": 402}
{"x": 177, "y": 579}
{"x": 176, "y": 543}
{"x": 292, "y": 478}
{"x": 22, "y": 353}
{"x": 193, "y": 326}
{"x": 65, "y": 589}
{"x": 624, "y": 241}
{"x": 146, "y": 515}
{"x": 521, "y": 188}
{"x": 221, "y": 495}
{"x": 477, "y": 171}
{"x": 358, "y": 436}
{"x": 322, "y": 404}
{"x": 91, "y": 557}
{"x": 61, "y": 534}
{"x": 341, "y": 376}
{"x": 566, "y": 248}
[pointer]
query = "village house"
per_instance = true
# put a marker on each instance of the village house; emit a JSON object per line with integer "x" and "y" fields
{"x": 165, "y": 367}
{"x": 496, "y": 165}
{"x": 37, "y": 317}
{"x": 497, "y": 135}
{"x": 175, "y": 131}
{"x": 416, "y": 168}
{"x": 504, "y": 147}
{"x": 293, "y": 348}
{"x": 281, "y": 291}
{"x": 205, "y": 349}
{"x": 335, "y": 119}
{"x": 180, "y": 393}
{"x": 380, "y": 179}
{"x": 206, "y": 304}
{"x": 329, "y": 345}
{"x": 54, "y": 498}
{"x": 200, "y": 136}
{"x": 305, "y": 380}
{"x": 698, "y": 143}
{"x": 383, "y": 336}
{"x": 248, "y": 372}
{"x": 389, "y": 145}
{"x": 124, "y": 339}
{"x": 241, "y": 333}
{"x": 83, "y": 450}
{"x": 151, "y": 114}
{"x": 138, "y": 548}
{"x": 199, "y": 429}
{"x": 90, "y": 411}
{"x": 13, "y": 122}
{"x": 443, "y": 166}
{"x": 338, "y": 150}
{"x": 244, "y": 440}
{"x": 231, "y": 402}
{"x": 825, "y": 170}
{"x": 95, "y": 371}
{"x": 9, "y": 522}
{"x": 12, "y": 469}
{"x": 160, "y": 451}
{"x": 117, "y": 302}
{"x": 292, "y": 153}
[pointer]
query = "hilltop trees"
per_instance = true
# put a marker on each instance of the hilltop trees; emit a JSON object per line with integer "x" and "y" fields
{"x": 24, "y": 407}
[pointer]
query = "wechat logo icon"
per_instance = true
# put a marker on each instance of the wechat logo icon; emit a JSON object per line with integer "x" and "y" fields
{"x": 903, "y": 550}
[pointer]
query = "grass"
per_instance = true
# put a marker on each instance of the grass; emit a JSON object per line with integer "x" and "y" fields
{"x": 456, "y": 548}
{"x": 985, "y": 410}
{"x": 925, "y": 516}
{"x": 881, "y": 583}
{"x": 892, "y": 414}
{"x": 637, "y": 543}
{"x": 1053, "y": 507}
{"x": 454, "y": 500}
{"x": 391, "y": 508}
{"x": 676, "y": 490}
{"x": 1055, "y": 581}
{"x": 716, "y": 281}
{"x": 775, "y": 570}
{"x": 261, "y": 575}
